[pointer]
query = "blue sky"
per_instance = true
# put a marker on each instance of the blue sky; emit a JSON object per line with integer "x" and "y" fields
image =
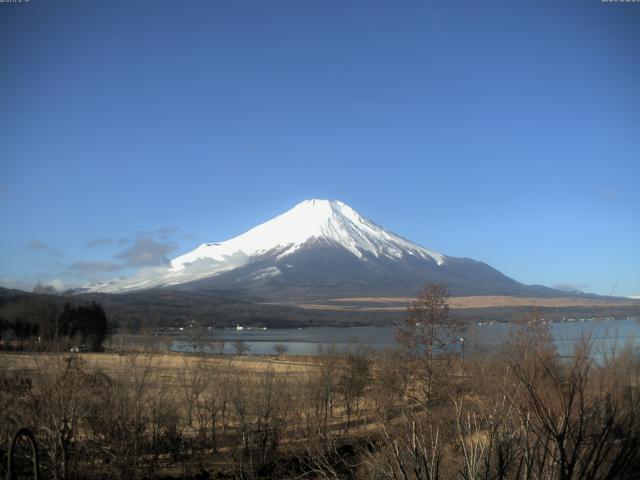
{"x": 504, "y": 131}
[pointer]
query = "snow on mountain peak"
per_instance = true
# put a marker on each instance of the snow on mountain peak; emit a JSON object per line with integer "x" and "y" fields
{"x": 328, "y": 220}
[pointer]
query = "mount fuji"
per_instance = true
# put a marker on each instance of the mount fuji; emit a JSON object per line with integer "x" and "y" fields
{"x": 323, "y": 249}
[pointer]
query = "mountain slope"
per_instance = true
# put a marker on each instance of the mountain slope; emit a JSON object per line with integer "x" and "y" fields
{"x": 332, "y": 221}
{"x": 321, "y": 270}
{"x": 323, "y": 248}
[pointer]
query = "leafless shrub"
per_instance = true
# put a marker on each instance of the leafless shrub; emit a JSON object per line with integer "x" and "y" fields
{"x": 577, "y": 423}
{"x": 354, "y": 377}
{"x": 213, "y": 404}
{"x": 261, "y": 407}
{"x": 241, "y": 347}
{"x": 119, "y": 420}
{"x": 280, "y": 349}
{"x": 521, "y": 413}
{"x": 319, "y": 392}
{"x": 192, "y": 384}
{"x": 390, "y": 381}
{"x": 408, "y": 450}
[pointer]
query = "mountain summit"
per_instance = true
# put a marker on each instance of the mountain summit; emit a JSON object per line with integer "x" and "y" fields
{"x": 331, "y": 221}
{"x": 322, "y": 249}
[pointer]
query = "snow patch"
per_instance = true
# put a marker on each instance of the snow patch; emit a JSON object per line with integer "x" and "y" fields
{"x": 263, "y": 273}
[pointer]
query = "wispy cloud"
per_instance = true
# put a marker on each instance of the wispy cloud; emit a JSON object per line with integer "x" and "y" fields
{"x": 56, "y": 253}
{"x": 36, "y": 245}
{"x": 98, "y": 242}
{"x": 15, "y": 283}
{"x": 609, "y": 195}
{"x": 147, "y": 252}
{"x": 162, "y": 232}
{"x": 31, "y": 285}
{"x": 90, "y": 268}
{"x": 568, "y": 286}
{"x": 56, "y": 284}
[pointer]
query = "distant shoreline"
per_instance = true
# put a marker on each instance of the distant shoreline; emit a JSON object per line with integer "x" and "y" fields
{"x": 378, "y": 303}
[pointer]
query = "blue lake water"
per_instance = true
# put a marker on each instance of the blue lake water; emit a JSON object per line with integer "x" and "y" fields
{"x": 606, "y": 336}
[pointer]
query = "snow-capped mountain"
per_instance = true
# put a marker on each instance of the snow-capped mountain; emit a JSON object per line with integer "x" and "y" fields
{"x": 312, "y": 220}
{"x": 320, "y": 248}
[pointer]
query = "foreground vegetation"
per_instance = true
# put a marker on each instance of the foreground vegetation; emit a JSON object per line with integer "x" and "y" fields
{"x": 520, "y": 413}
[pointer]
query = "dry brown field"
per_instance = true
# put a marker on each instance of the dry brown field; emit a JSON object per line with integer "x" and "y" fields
{"x": 164, "y": 363}
{"x": 160, "y": 413}
{"x": 493, "y": 301}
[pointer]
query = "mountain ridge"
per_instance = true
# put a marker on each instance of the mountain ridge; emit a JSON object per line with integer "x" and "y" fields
{"x": 322, "y": 249}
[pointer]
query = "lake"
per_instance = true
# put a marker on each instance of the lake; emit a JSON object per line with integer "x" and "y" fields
{"x": 606, "y": 335}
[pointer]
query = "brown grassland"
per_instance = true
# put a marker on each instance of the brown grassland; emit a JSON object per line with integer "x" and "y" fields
{"x": 486, "y": 301}
{"x": 418, "y": 412}
{"x": 522, "y": 413}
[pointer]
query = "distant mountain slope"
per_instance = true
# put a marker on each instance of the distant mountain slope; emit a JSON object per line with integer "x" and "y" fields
{"x": 322, "y": 270}
{"x": 166, "y": 307}
{"x": 323, "y": 249}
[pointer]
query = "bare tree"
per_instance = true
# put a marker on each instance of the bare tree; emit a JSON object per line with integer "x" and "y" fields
{"x": 218, "y": 345}
{"x": 421, "y": 335}
{"x": 531, "y": 339}
{"x": 321, "y": 388}
{"x": 213, "y": 402}
{"x": 261, "y": 406}
{"x": 576, "y": 422}
{"x": 197, "y": 334}
{"x": 63, "y": 382}
{"x": 391, "y": 377}
{"x": 280, "y": 349}
{"x": 408, "y": 450}
{"x": 119, "y": 421}
{"x": 353, "y": 379}
{"x": 191, "y": 386}
{"x": 164, "y": 435}
{"x": 241, "y": 347}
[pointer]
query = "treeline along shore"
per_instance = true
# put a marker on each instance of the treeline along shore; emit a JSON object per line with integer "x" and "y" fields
{"x": 140, "y": 311}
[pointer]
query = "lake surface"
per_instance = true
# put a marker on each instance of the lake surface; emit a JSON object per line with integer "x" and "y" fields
{"x": 606, "y": 335}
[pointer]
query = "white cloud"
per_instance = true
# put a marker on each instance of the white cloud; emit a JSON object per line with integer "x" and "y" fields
{"x": 90, "y": 268}
{"x": 56, "y": 283}
{"x": 15, "y": 283}
{"x": 569, "y": 286}
{"x": 146, "y": 252}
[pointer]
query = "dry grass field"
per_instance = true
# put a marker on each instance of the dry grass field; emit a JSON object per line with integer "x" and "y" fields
{"x": 148, "y": 413}
{"x": 373, "y": 304}
{"x": 209, "y": 408}
{"x": 165, "y": 364}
